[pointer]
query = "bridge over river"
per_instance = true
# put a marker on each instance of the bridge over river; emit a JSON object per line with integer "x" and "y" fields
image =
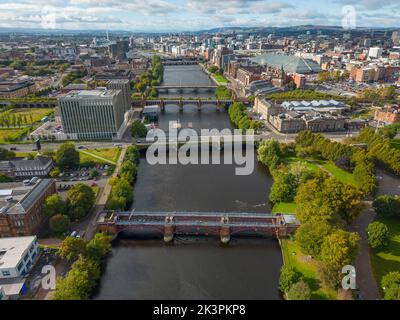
{"x": 220, "y": 224}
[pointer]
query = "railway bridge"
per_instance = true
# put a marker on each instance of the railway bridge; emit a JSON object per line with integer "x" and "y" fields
{"x": 221, "y": 224}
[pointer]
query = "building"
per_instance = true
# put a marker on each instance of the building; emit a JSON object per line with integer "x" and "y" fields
{"x": 375, "y": 53}
{"x": 289, "y": 63}
{"x": 16, "y": 89}
{"x": 39, "y": 167}
{"x": 93, "y": 114}
{"x": 388, "y": 114}
{"x": 17, "y": 258}
{"x": 125, "y": 86}
{"x": 21, "y": 211}
{"x": 260, "y": 87}
{"x": 119, "y": 49}
{"x": 247, "y": 74}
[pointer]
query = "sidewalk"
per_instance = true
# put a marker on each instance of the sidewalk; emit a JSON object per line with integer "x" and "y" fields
{"x": 365, "y": 278}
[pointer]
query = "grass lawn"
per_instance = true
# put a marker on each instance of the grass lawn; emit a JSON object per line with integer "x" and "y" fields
{"x": 111, "y": 154}
{"x": 308, "y": 268}
{"x": 387, "y": 259}
{"x": 4, "y": 133}
{"x": 25, "y": 154}
{"x": 219, "y": 78}
{"x": 340, "y": 174}
{"x": 309, "y": 163}
{"x": 395, "y": 143}
{"x": 86, "y": 160}
{"x": 284, "y": 207}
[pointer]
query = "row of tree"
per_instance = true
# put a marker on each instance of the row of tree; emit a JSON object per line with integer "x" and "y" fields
{"x": 345, "y": 156}
{"x": 380, "y": 148}
{"x": 122, "y": 191}
{"x": 87, "y": 257}
{"x": 9, "y": 119}
{"x": 239, "y": 117}
{"x": 151, "y": 78}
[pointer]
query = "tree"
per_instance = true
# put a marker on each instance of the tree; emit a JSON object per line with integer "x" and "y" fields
{"x": 74, "y": 286}
{"x": 54, "y": 205}
{"x": 6, "y": 155}
{"x": 5, "y": 178}
{"x": 71, "y": 248}
{"x": 67, "y": 156}
{"x": 59, "y": 223}
{"x": 93, "y": 173}
{"x": 128, "y": 171}
{"x": 378, "y": 235}
{"x": 132, "y": 154}
{"x": 269, "y": 153}
{"x": 387, "y": 206}
{"x": 339, "y": 248}
{"x": 330, "y": 276}
{"x": 116, "y": 203}
{"x": 55, "y": 173}
{"x": 138, "y": 129}
{"x": 80, "y": 200}
{"x": 299, "y": 291}
{"x": 310, "y": 236}
{"x": 123, "y": 189}
{"x": 391, "y": 285}
{"x": 99, "y": 247}
{"x": 288, "y": 277}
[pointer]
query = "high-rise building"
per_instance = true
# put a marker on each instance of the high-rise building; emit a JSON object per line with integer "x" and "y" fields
{"x": 92, "y": 114}
{"x": 396, "y": 37}
{"x": 125, "y": 86}
{"x": 119, "y": 49}
{"x": 375, "y": 52}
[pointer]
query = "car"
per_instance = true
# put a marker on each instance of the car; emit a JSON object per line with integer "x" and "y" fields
{"x": 82, "y": 147}
{"x": 74, "y": 234}
{"x": 13, "y": 149}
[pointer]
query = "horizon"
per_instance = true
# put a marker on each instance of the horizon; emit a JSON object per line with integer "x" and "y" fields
{"x": 156, "y": 16}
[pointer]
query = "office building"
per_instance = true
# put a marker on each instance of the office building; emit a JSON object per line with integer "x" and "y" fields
{"x": 375, "y": 53}
{"x": 92, "y": 114}
{"x": 39, "y": 167}
{"x": 21, "y": 211}
{"x": 125, "y": 86}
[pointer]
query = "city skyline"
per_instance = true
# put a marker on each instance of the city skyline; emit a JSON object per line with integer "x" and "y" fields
{"x": 190, "y": 15}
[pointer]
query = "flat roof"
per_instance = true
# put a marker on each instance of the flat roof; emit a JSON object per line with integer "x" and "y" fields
{"x": 13, "y": 249}
{"x": 83, "y": 94}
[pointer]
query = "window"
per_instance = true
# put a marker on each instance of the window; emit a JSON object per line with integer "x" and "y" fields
{"x": 6, "y": 273}
{"x": 20, "y": 265}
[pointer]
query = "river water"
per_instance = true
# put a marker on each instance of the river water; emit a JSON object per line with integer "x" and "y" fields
{"x": 194, "y": 268}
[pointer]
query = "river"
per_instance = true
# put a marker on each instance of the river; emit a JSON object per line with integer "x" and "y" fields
{"x": 195, "y": 268}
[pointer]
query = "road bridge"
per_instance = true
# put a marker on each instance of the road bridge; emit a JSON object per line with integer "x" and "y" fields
{"x": 222, "y": 224}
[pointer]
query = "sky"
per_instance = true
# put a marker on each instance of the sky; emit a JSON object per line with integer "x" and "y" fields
{"x": 192, "y": 15}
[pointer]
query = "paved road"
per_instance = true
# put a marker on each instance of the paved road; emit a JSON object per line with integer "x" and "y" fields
{"x": 366, "y": 282}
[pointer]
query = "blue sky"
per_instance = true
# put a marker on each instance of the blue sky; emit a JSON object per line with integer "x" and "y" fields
{"x": 188, "y": 15}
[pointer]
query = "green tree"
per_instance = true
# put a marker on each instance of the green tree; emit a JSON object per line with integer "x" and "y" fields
{"x": 387, "y": 206}
{"x": 71, "y": 248}
{"x": 310, "y": 236}
{"x": 59, "y": 223}
{"x": 55, "y": 173}
{"x": 288, "y": 277}
{"x": 138, "y": 129}
{"x": 299, "y": 291}
{"x": 99, "y": 247}
{"x": 391, "y": 285}
{"x": 74, "y": 286}
{"x": 6, "y": 155}
{"x": 339, "y": 248}
{"x": 128, "y": 171}
{"x": 54, "y": 205}
{"x": 123, "y": 189}
{"x": 378, "y": 235}
{"x": 5, "y": 178}
{"x": 269, "y": 154}
{"x": 67, "y": 156}
{"x": 80, "y": 199}
{"x": 116, "y": 203}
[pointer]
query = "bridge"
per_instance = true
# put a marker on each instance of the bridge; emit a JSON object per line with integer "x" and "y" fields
{"x": 182, "y": 88}
{"x": 221, "y": 224}
{"x": 163, "y": 103}
{"x": 178, "y": 62}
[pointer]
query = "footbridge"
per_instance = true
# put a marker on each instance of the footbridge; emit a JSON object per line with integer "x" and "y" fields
{"x": 187, "y": 88}
{"x": 221, "y": 224}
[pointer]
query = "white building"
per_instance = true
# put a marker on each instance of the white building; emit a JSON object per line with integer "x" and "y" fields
{"x": 17, "y": 256}
{"x": 375, "y": 53}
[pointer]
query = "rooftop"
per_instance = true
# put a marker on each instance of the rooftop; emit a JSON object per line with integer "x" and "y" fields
{"x": 85, "y": 94}
{"x": 23, "y": 197}
{"x": 289, "y": 63}
{"x": 13, "y": 249}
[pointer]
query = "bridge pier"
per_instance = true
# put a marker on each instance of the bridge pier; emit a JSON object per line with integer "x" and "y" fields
{"x": 224, "y": 232}
{"x": 181, "y": 105}
{"x": 199, "y": 105}
{"x": 162, "y": 105}
{"x": 218, "y": 105}
{"x": 169, "y": 229}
